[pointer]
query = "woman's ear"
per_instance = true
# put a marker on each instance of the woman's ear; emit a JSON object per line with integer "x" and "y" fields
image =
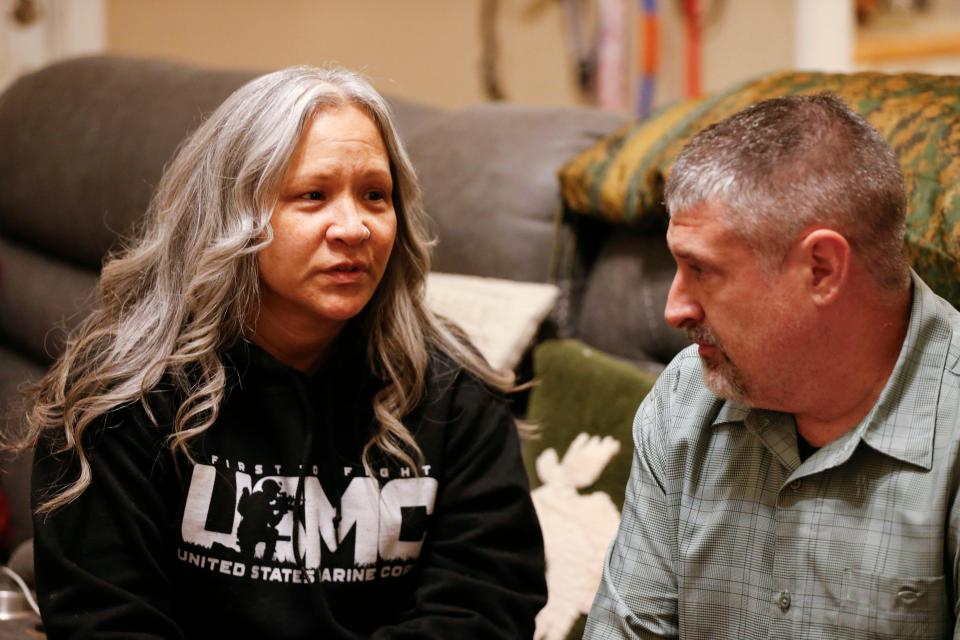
{"x": 824, "y": 256}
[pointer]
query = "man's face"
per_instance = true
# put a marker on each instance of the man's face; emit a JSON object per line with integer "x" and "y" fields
{"x": 733, "y": 309}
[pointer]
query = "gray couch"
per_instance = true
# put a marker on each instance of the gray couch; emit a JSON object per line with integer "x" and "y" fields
{"x": 85, "y": 141}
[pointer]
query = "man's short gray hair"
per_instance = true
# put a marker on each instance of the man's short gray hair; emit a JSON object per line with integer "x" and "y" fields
{"x": 783, "y": 165}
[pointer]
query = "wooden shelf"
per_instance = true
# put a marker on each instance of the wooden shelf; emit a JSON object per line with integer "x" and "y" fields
{"x": 908, "y": 39}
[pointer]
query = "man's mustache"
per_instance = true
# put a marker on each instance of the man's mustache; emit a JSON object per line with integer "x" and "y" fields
{"x": 701, "y": 334}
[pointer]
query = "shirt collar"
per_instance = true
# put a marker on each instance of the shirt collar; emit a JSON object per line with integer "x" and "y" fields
{"x": 731, "y": 412}
{"x": 901, "y": 423}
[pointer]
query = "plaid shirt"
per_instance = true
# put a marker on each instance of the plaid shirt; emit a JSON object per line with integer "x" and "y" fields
{"x": 727, "y": 534}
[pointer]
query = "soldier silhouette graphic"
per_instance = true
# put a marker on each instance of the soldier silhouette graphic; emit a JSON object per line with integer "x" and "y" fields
{"x": 261, "y": 511}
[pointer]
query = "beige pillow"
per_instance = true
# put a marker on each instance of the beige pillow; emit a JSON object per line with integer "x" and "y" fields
{"x": 501, "y": 317}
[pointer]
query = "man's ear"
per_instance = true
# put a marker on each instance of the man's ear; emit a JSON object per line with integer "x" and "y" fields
{"x": 824, "y": 256}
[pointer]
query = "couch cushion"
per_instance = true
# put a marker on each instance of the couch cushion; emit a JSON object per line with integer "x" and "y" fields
{"x": 489, "y": 180}
{"x": 617, "y": 178}
{"x": 501, "y": 317}
{"x": 622, "y": 177}
{"x": 85, "y": 142}
{"x": 579, "y": 389}
{"x": 621, "y": 310}
{"x": 40, "y": 296}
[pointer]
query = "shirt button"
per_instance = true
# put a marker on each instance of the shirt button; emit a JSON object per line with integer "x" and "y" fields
{"x": 795, "y": 485}
{"x": 783, "y": 600}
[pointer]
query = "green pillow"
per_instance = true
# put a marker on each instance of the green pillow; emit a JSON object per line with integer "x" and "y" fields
{"x": 579, "y": 391}
{"x": 582, "y": 390}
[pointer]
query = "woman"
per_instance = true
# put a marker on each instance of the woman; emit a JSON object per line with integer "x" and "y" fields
{"x": 262, "y": 431}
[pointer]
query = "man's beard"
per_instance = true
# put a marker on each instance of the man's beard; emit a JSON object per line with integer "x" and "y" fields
{"x": 722, "y": 377}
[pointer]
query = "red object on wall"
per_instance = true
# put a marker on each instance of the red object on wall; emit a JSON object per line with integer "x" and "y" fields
{"x": 4, "y": 522}
{"x": 649, "y": 59}
{"x": 691, "y": 11}
{"x": 648, "y": 24}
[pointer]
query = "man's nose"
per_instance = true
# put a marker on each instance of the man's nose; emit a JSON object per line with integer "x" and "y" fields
{"x": 682, "y": 309}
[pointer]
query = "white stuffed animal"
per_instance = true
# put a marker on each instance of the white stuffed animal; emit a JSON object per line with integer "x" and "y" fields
{"x": 577, "y": 530}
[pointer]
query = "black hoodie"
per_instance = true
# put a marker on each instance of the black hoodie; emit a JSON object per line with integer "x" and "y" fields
{"x": 162, "y": 547}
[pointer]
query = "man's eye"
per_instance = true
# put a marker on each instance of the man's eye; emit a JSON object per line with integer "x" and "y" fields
{"x": 313, "y": 195}
{"x": 376, "y": 195}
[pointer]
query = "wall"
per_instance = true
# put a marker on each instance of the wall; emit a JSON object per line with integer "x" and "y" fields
{"x": 430, "y": 49}
{"x": 750, "y": 37}
{"x": 424, "y": 49}
{"x": 52, "y": 30}
{"x": 922, "y": 41}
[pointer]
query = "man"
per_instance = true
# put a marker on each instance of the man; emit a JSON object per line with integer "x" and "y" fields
{"x": 795, "y": 471}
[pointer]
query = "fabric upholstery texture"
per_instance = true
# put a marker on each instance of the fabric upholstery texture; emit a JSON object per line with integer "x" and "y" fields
{"x": 41, "y": 296}
{"x": 488, "y": 174}
{"x": 104, "y": 148}
{"x": 583, "y": 390}
{"x": 577, "y": 529}
{"x": 621, "y": 178}
{"x": 500, "y": 316}
{"x": 621, "y": 311}
{"x": 616, "y": 179}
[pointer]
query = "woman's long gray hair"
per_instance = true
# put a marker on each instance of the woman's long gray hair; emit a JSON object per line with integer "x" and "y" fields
{"x": 189, "y": 287}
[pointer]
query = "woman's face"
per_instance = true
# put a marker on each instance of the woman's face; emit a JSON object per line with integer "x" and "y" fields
{"x": 334, "y": 227}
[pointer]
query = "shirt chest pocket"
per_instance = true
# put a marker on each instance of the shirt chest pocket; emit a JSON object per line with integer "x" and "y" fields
{"x": 893, "y": 607}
